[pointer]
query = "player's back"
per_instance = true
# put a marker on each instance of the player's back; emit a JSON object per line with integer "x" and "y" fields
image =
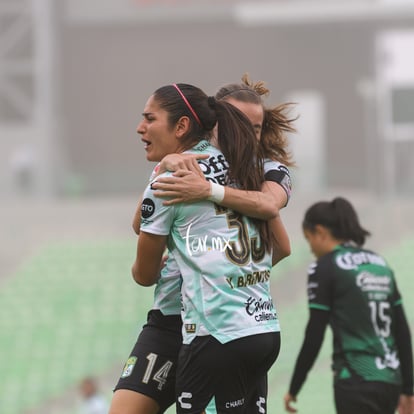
{"x": 225, "y": 267}
{"x": 364, "y": 295}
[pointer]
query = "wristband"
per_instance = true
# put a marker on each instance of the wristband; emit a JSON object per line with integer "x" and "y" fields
{"x": 216, "y": 193}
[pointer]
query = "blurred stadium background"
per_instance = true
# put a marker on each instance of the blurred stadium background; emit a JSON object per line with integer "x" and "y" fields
{"x": 74, "y": 77}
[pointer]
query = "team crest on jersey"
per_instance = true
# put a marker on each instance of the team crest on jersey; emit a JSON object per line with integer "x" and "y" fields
{"x": 190, "y": 328}
{"x": 129, "y": 366}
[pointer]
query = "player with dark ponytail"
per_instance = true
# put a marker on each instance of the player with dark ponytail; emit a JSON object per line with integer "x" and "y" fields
{"x": 354, "y": 291}
{"x": 224, "y": 260}
{"x": 234, "y": 136}
{"x": 340, "y": 217}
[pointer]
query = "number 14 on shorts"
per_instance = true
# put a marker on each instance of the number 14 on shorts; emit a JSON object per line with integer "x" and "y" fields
{"x": 159, "y": 376}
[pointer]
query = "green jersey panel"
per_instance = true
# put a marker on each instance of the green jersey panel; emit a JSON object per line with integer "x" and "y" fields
{"x": 359, "y": 290}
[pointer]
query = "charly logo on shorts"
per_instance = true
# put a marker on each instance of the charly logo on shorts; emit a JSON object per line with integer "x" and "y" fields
{"x": 147, "y": 208}
{"x": 129, "y": 366}
{"x": 186, "y": 405}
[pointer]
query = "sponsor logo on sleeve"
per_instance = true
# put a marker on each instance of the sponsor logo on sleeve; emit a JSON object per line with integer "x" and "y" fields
{"x": 147, "y": 208}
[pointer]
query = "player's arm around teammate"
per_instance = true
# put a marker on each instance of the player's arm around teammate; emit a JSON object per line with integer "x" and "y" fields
{"x": 175, "y": 141}
{"x": 271, "y": 124}
{"x": 189, "y": 186}
{"x": 217, "y": 370}
{"x": 188, "y": 183}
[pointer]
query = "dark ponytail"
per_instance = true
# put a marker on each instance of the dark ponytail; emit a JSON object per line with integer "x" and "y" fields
{"x": 340, "y": 217}
{"x": 235, "y": 135}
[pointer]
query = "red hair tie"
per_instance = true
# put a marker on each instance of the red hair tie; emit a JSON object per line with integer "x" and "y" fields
{"x": 188, "y": 104}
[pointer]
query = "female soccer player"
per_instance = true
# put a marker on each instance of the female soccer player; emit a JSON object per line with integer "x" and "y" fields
{"x": 224, "y": 258}
{"x": 271, "y": 125}
{"x": 161, "y": 336}
{"x": 354, "y": 291}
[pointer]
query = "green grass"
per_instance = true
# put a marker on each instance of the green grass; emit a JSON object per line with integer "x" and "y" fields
{"x": 72, "y": 310}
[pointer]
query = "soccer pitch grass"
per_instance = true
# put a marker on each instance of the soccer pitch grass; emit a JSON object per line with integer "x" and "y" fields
{"x": 73, "y": 310}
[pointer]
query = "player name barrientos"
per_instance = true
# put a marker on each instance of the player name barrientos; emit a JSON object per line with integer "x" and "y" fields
{"x": 249, "y": 279}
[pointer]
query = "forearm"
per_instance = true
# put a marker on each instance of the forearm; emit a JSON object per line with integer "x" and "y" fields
{"x": 186, "y": 187}
{"x": 250, "y": 203}
{"x": 404, "y": 344}
{"x": 150, "y": 250}
{"x": 264, "y": 204}
{"x": 312, "y": 343}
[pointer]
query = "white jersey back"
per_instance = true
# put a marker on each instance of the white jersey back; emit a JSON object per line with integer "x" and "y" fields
{"x": 167, "y": 291}
{"x": 225, "y": 269}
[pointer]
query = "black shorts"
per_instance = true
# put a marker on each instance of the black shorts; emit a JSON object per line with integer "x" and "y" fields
{"x": 368, "y": 397}
{"x": 257, "y": 400}
{"x": 151, "y": 366}
{"x": 226, "y": 372}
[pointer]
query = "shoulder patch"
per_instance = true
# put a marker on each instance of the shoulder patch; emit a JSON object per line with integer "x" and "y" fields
{"x": 147, "y": 208}
{"x": 282, "y": 177}
{"x": 129, "y": 366}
